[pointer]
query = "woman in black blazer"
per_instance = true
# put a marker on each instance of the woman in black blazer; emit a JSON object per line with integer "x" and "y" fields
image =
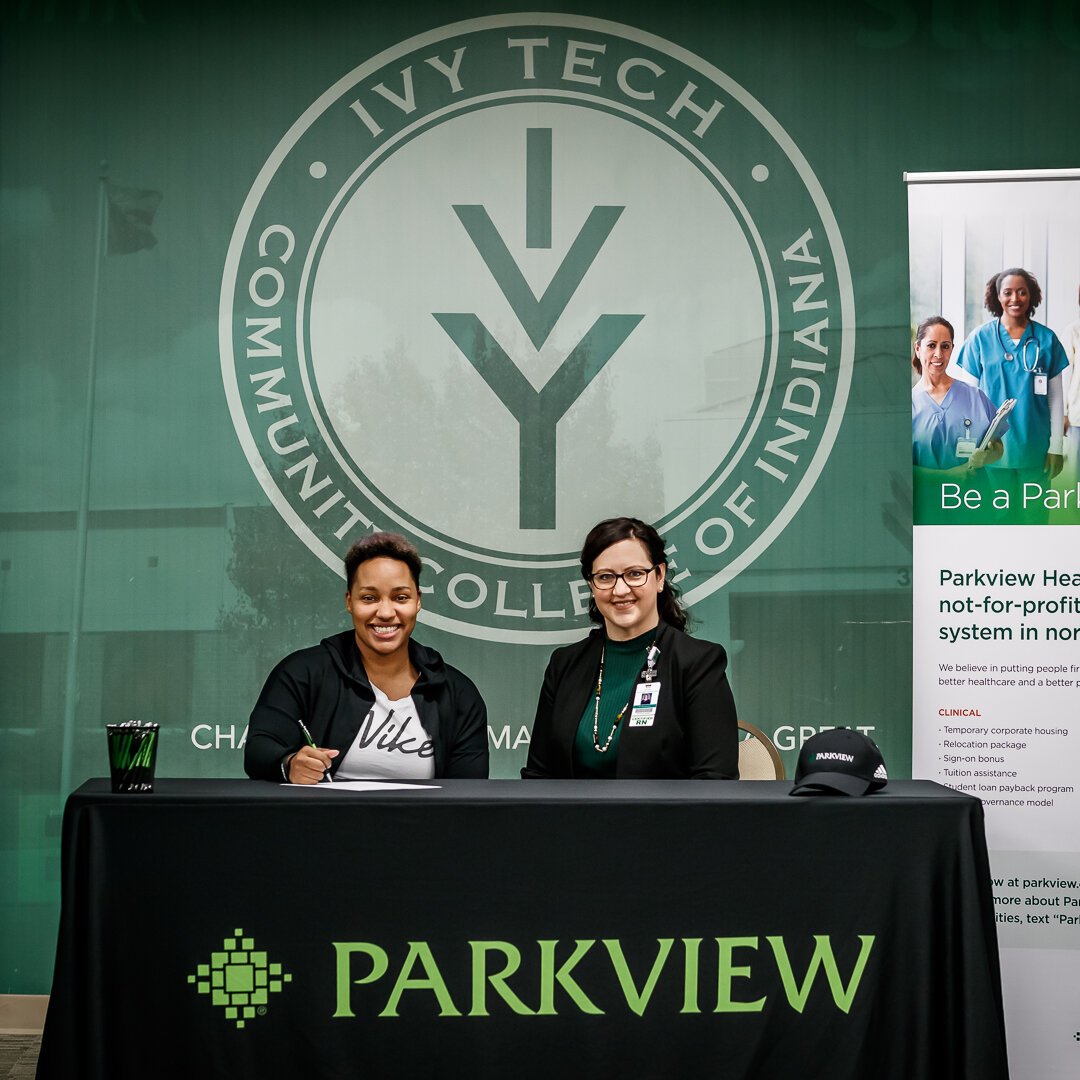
{"x": 638, "y": 698}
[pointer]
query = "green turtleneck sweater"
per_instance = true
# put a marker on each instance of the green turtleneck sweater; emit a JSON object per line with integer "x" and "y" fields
{"x": 623, "y": 661}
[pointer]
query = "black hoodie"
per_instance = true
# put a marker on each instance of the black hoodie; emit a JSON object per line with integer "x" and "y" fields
{"x": 327, "y": 688}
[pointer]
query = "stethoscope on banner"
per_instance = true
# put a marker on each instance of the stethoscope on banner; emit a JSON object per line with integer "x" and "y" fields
{"x": 1022, "y": 356}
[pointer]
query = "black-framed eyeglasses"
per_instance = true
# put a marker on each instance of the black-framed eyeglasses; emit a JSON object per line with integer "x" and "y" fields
{"x": 635, "y": 577}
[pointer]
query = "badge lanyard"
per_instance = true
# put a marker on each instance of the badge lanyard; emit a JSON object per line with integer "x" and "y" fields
{"x": 965, "y": 444}
{"x": 645, "y": 698}
{"x": 646, "y": 693}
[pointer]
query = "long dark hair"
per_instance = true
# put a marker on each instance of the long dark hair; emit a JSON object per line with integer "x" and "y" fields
{"x": 611, "y": 531}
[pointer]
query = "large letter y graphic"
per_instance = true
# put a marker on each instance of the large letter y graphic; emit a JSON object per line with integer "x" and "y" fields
{"x": 538, "y": 413}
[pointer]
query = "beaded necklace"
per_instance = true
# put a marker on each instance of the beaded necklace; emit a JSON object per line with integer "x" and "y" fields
{"x": 596, "y": 711}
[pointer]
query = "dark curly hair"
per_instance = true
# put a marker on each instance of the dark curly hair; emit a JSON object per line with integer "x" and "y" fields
{"x": 382, "y": 545}
{"x": 934, "y": 320}
{"x": 611, "y": 531}
{"x": 993, "y": 287}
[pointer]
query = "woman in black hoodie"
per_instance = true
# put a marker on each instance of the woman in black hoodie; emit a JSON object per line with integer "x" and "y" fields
{"x": 370, "y": 703}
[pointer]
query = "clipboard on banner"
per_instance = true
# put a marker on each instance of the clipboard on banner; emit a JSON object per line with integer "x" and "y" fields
{"x": 999, "y": 425}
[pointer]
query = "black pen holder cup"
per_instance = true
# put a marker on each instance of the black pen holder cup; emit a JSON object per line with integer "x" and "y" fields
{"x": 132, "y": 757}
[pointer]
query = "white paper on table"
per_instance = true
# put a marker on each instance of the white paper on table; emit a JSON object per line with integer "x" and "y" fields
{"x": 367, "y": 785}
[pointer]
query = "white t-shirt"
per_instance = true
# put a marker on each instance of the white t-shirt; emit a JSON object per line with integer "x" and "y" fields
{"x": 391, "y": 745}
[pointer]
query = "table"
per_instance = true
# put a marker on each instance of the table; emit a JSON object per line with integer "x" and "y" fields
{"x": 222, "y": 928}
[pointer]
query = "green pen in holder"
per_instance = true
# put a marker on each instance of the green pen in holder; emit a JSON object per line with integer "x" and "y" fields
{"x": 132, "y": 756}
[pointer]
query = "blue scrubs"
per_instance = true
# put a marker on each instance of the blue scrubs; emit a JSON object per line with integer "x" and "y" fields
{"x": 1037, "y": 353}
{"x": 965, "y": 413}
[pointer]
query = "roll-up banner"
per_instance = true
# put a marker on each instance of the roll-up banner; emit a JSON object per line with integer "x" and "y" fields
{"x": 995, "y": 271}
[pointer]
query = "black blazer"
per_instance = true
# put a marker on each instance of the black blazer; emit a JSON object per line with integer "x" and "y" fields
{"x": 695, "y": 733}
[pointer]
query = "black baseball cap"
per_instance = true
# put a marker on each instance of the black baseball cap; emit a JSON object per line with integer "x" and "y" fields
{"x": 839, "y": 762}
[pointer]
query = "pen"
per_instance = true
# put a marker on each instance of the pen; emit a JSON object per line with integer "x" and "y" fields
{"x": 312, "y": 744}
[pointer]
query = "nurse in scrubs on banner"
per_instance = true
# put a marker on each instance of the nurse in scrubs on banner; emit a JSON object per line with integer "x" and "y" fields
{"x": 948, "y": 417}
{"x": 1015, "y": 357}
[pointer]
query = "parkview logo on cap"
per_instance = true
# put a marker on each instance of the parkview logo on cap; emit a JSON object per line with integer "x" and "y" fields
{"x": 839, "y": 762}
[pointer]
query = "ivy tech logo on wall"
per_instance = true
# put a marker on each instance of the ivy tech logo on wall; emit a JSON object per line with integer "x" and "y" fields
{"x": 239, "y": 978}
{"x": 521, "y": 273}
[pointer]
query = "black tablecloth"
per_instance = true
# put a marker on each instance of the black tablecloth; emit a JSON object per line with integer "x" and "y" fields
{"x": 532, "y": 929}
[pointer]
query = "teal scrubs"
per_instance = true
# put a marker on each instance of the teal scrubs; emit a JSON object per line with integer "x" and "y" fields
{"x": 1038, "y": 352}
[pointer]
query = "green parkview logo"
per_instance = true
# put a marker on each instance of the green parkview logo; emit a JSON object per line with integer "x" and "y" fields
{"x": 523, "y": 272}
{"x": 570, "y": 977}
{"x": 239, "y": 978}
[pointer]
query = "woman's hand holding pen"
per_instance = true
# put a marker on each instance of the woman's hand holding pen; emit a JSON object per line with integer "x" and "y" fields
{"x": 310, "y": 764}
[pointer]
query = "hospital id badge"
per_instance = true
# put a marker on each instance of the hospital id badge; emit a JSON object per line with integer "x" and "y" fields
{"x": 965, "y": 448}
{"x": 646, "y": 698}
{"x": 1040, "y": 385}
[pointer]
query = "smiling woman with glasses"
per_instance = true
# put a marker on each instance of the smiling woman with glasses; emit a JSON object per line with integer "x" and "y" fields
{"x": 638, "y": 698}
